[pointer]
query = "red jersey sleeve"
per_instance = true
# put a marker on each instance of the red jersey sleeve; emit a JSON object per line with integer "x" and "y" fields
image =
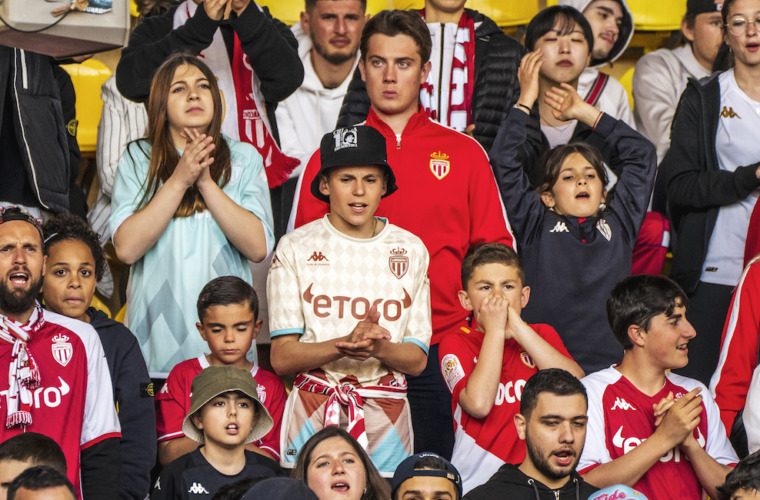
{"x": 739, "y": 347}
{"x": 274, "y": 402}
{"x": 171, "y": 403}
{"x": 488, "y": 217}
{"x": 457, "y": 358}
{"x": 306, "y": 207}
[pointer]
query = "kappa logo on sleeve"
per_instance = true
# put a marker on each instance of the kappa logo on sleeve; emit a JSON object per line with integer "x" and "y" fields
{"x": 451, "y": 370}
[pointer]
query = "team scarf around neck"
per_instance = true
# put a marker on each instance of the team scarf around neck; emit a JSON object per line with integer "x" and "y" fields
{"x": 245, "y": 116}
{"x": 461, "y": 83}
{"x": 23, "y": 374}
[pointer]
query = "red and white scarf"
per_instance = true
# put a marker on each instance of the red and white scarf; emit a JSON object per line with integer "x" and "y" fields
{"x": 23, "y": 374}
{"x": 352, "y": 398}
{"x": 245, "y": 116}
{"x": 461, "y": 82}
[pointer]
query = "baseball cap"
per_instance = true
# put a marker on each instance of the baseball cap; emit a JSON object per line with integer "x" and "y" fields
{"x": 11, "y": 213}
{"x": 216, "y": 380}
{"x": 357, "y": 146}
{"x": 406, "y": 470}
{"x": 617, "y": 491}
{"x": 701, "y": 6}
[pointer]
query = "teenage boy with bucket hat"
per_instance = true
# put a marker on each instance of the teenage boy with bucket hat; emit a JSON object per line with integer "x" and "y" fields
{"x": 225, "y": 415}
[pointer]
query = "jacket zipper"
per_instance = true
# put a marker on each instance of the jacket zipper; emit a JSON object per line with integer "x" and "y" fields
{"x": 556, "y": 494}
{"x": 398, "y": 141}
{"x": 25, "y": 83}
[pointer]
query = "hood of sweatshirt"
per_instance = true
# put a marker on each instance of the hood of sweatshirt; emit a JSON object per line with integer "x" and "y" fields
{"x": 624, "y": 38}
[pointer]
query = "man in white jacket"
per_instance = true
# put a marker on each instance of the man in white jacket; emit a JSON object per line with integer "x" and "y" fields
{"x": 660, "y": 76}
{"x": 328, "y": 44}
{"x": 612, "y": 24}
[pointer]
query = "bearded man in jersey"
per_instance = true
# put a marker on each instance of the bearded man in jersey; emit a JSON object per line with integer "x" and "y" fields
{"x": 447, "y": 195}
{"x": 649, "y": 428}
{"x": 57, "y": 371}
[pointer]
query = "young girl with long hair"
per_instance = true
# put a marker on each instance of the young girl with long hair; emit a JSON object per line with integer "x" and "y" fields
{"x": 574, "y": 247}
{"x": 189, "y": 205}
{"x": 712, "y": 171}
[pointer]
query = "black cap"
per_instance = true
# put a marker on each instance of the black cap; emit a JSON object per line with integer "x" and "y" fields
{"x": 357, "y": 146}
{"x": 11, "y": 213}
{"x": 702, "y": 6}
{"x": 406, "y": 470}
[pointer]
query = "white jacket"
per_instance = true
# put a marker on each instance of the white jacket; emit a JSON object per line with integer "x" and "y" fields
{"x": 658, "y": 81}
{"x": 311, "y": 111}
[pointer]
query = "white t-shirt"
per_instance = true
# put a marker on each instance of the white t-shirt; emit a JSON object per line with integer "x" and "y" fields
{"x": 736, "y": 144}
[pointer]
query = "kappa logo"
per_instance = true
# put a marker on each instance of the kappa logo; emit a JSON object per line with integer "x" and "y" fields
{"x": 440, "y": 165}
{"x": 62, "y": 350}
{"x": 317, "y": 257}
{"x": 622, "y": 404}
{"x": 157, "y": 486}
{"x": 165, "y": 389}
{"x": 398, "y": 262}
{"x": 198, "y": 489}
{"x": 728, "y": 112}
{"x": 559, "y": 227}
{"x": 604, "y": 228}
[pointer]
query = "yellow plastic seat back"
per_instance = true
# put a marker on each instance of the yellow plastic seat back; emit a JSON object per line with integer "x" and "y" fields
{"x": 87, "y": 78}
{"x": 627, "y": 81}
{"x": 289, "y": 11}
{"x": 656, "y": 15}
{"x": 121, "y": 316}
{"x": 100, "y": 306}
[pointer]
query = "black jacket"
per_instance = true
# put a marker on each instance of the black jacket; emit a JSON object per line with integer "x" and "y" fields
{"x": 696, "y": 187}
{"x": 133, "y": 396}
{"x": 270, "y": 45}
{"x": 572, "y": 264}
{"x": 30, "y": 104}
{"x": 509, "y": 482}
{"x": 497, "y": 57}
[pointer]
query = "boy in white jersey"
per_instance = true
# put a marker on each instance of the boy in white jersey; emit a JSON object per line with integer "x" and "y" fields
{"x": 354, "y": 288}
{"x": 649, "y": 428}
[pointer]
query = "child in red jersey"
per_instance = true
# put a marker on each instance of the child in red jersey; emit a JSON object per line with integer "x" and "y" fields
{"x": 649, "y": 428}
{"x": 228, "y": 312}
{"x": 486, "y": 368}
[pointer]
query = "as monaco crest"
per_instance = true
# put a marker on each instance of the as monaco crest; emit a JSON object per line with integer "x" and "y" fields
{"x": 398, "y": 262}
{"x": 440, "y": 165}
{"x": 62, "y": 350}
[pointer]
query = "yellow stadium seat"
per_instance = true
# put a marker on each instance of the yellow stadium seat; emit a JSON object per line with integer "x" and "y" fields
{"x": 627, "y": 81}
{"x": 122, "y": 314}
{"x": 504, "y": 13}
{"x": 87, "y": 78}
{"x": 656, "y": 15}
{"x": 99, "y": 305}
{"x": 289, "y": 11}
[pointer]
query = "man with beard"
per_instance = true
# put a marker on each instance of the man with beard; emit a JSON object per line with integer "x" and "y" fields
{"x": 552, "y": 421}
{"x": 57, "y": 370}
{"x": 328, "y": 45}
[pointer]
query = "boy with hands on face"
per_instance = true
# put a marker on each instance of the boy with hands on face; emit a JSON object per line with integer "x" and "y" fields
{"x": 486, "y": 366}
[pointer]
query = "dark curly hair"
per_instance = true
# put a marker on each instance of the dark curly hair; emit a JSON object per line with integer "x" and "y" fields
{"x": 70, "y": 227}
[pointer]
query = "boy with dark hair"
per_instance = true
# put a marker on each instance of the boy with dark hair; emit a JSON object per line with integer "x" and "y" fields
{"x": 228, "y": 313}
{"x": 350, "y": 306}
{"x": 742, "y": 483}
{"x": 225, "y": 415}
{"x": 648, "y": 427}
{"x": 552, "y": 421}
{"x": 74, "y": 265}
{"x": 41, "y": 482}
{"x": 448, "y": 180}
{"x": 486, "y": 366}
{"x": 24, "y": 451}
{"x": 426, "y": 476}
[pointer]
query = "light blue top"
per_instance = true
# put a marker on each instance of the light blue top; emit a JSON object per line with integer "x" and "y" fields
{"x": 166, "y": 281}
